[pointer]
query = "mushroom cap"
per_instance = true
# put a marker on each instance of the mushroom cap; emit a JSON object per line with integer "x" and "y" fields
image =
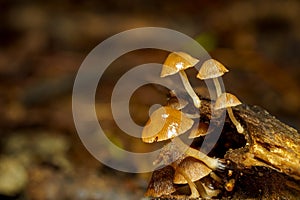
{"x": 161, "y": 182}
{"x": 226, "y": 100}
{"x": 211, "y": 69}
{"x": 200, "y": 130}
{"x": 165, "y": 123}
{"x": 177, "y": 61}
{"x": 194, "y": 169}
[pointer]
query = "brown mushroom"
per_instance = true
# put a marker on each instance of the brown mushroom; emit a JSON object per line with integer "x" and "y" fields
{"x": 212, "y": 69}
{"x": 167, "y": 123}
{"x": 190, "y": 170}
{"x": 194, "y": 168}
{"x": 227, "y": 100}
{"x": 177, "y": 62}
{"x": 161, "y": 182}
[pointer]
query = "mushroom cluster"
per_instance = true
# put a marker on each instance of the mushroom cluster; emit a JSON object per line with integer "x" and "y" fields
{"x": 168, "y": 122}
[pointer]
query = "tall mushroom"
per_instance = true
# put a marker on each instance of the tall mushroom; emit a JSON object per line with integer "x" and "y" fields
{"x": 227, "y": 100}
{"x": 167, "y": 123}
{"x": 212, "y": 69}
{"x": 178, "y": 62}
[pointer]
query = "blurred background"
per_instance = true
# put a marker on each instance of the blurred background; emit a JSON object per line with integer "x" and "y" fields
{"x": 43, "y": 43}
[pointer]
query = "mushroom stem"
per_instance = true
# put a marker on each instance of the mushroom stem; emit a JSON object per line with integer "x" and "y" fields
{"x": 208, "y": 193}
{"x": 212, "y": 163}
{"x": 218, "y": 87}
{"x": 237, "y": 124}
{"x": 215, "y": 177}
{"x": 189, "y": 89}
{"x": 194, "y": 191}
{"x": 203, "y": 191}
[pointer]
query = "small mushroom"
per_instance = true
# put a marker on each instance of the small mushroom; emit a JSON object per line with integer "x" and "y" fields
{"x": 212, "y": 69}
{"x": 227, "y": 100}
{"x": 190, "y": 170}
{"x": 178, "y": 62}
{"x": 165, "y": 123}
{"x": 200, "y": 130}
{"x": 161, "y": 182}
{"x": 194, "y": 168}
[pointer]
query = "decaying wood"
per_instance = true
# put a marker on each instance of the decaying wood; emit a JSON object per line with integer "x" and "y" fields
{"x": 267, "y": 165}
{"x": 271, "y": 143}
